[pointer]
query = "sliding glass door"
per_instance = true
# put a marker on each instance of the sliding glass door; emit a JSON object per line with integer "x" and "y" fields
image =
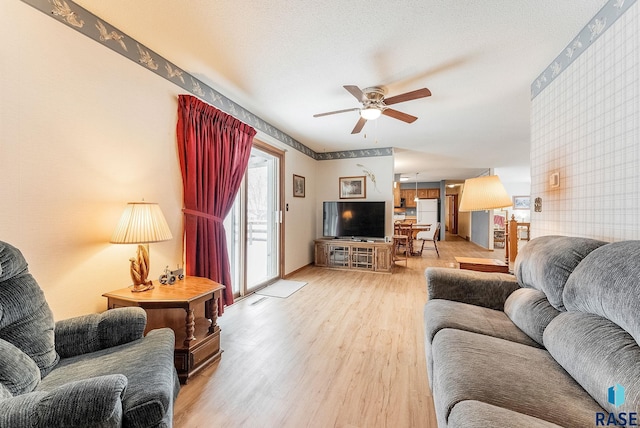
{"x": 254, "y": 226}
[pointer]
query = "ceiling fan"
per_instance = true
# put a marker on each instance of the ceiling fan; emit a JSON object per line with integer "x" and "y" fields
{"x": 374, "y": 104}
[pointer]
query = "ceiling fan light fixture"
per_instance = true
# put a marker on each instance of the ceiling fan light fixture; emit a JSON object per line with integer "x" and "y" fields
{"x": 370, "y": 113}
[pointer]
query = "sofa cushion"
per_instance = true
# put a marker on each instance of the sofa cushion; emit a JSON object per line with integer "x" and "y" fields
{"x": 18, "y": 372}
{"x": 530, "y": 310}
{"x": 606, "y": 284}
{"x": 476, "y": 414}
{"x": 598, "y": 354}
{"x": 545, "y": 263}
{"x": 4, "y": 392}
{"x": 524, "y": 379}
{"x": 25, "y": 318}
{"x": 440, "y": 314}
{"x": 152, "y": 385}
{"x": 487, "y": 289}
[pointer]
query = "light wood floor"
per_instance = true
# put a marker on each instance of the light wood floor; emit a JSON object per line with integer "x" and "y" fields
{"x": 346, "y": 350}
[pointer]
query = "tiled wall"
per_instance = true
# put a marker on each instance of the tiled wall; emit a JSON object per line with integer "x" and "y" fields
{"x": 585, "y": 125}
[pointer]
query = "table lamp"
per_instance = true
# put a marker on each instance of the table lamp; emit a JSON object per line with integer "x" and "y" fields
{"x": 484, "y": 193}
{"x": 141, "y": 223}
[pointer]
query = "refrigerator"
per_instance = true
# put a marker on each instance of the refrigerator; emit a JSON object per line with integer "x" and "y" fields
{"x": 427, "y": 211}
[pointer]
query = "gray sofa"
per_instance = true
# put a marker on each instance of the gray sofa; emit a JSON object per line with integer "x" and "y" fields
{"x": 91, "y": 371}
{"x": 551, "y": 346}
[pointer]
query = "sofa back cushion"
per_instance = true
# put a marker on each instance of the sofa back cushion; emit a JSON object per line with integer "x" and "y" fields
{"x": 26, "y": 320}
{"x": 607, "y": 283}
{"x": 599, "y": 355}
{"x": 530, "y": 310}
{"x": 545, "y": 263}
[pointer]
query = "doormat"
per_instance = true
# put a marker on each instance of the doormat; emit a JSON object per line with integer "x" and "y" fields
{"x": 282, "y": 288}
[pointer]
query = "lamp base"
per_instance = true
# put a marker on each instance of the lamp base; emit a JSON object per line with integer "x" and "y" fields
{"x": 136, "y": 288}
{"x": 139, "y": 270}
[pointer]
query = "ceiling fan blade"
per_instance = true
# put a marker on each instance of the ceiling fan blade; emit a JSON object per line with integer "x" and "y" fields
{"x": 399, "y": 115}
{"x": 359, "y": 125}
{"x": 408, "y": 96}
{"x": 355, "y": 91}
{"x": 335, "y": 112}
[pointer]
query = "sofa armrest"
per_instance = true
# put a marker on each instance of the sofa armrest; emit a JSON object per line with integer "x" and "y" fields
{"x": 95, "y": 402}
{"x": 90, "y": 333}
{"x": 486, "y": 289}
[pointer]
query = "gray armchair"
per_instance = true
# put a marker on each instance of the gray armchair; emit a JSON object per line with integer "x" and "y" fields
{"x": 90, "y": 371}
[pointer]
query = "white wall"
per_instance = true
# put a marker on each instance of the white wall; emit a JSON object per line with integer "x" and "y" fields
{"x": 585, "y": 126}
{"x": 83, "y": 131}
{"x": 330, "y": 171}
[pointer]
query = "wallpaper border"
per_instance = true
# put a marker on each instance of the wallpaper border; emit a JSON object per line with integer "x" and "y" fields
{"x": 600, "y": 23}
{"x": 78, "y": 18}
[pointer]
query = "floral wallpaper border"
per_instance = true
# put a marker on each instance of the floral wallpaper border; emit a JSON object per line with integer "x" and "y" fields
{"x": 85, "y": 22}
{"x": 609, "y": 13}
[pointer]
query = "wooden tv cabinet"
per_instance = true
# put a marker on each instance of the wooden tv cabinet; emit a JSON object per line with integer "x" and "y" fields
{"x": 353, "y": 254}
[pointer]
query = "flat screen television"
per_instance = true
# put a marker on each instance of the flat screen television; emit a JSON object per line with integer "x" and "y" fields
{"x": 353, "y": 219}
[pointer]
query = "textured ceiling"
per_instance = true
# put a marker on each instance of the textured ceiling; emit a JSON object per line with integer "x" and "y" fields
{"x": 287, "y": 60}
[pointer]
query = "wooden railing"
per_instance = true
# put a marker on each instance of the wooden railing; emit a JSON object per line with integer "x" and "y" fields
{"x": 256, "y": 231}
{"x": 511, "y": 240}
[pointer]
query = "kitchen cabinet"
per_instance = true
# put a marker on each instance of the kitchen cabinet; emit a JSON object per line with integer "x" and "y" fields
{"x": 410, "y": 194}
{"x": 396, "y": 194}
{"x": 433, "y": 193}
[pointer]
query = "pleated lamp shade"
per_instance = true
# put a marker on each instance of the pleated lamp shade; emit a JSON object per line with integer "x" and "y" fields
{"x": 484, "y": 193}
{"x": 141, "y": 222}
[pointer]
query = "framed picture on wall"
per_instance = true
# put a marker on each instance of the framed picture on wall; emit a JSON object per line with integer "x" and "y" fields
{"x": 298, "y": 186}
{"x": 521, "y": 202}
{"x": 353, "y": 187}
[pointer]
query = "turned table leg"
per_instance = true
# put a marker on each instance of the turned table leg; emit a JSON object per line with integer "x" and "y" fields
{"x": 190, "y": 324}
{"x": 211, "y": 313}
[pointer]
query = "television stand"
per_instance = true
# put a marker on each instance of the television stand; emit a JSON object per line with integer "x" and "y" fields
{"x": 354, "y": 254}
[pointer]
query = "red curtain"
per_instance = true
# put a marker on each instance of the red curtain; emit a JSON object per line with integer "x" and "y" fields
{"x": 214, "y": 150}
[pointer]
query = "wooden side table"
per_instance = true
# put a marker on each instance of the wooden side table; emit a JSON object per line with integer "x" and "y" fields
{"x": 482, "y": 265}
{"x": 190, "y": 308}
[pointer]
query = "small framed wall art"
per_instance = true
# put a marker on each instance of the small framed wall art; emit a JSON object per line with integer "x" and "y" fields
{"x": 353, "y": 187}
{"x": 298, "y": 186}
{"x": 521, "y": 202}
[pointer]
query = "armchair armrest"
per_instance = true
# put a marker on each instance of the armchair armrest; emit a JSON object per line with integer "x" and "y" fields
{"x": 486, "y": 289}
{"x": 95, "y": 402}
{"x": 90, "y": 333}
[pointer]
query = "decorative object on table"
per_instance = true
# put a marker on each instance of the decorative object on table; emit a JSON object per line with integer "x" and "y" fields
{"x": 141, "y": 223}
{"x": 484, "y": 193}
{"x": 169, "y": 277}
{"x": 298, "y": 186}
{"x": 353, "y": 187}
{"x": 521, "y": 202}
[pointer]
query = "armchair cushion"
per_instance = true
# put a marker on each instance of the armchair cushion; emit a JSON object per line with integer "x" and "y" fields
{"x": 25, "y": 318}
{"x": 90, "y": 333}
{"x": 18, "y": 373}
{"x": 148, "y": 366}
{"x": 95, "y": 402}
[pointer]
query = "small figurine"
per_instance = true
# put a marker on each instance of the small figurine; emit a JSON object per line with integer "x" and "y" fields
{"x": 170, "y": 276}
